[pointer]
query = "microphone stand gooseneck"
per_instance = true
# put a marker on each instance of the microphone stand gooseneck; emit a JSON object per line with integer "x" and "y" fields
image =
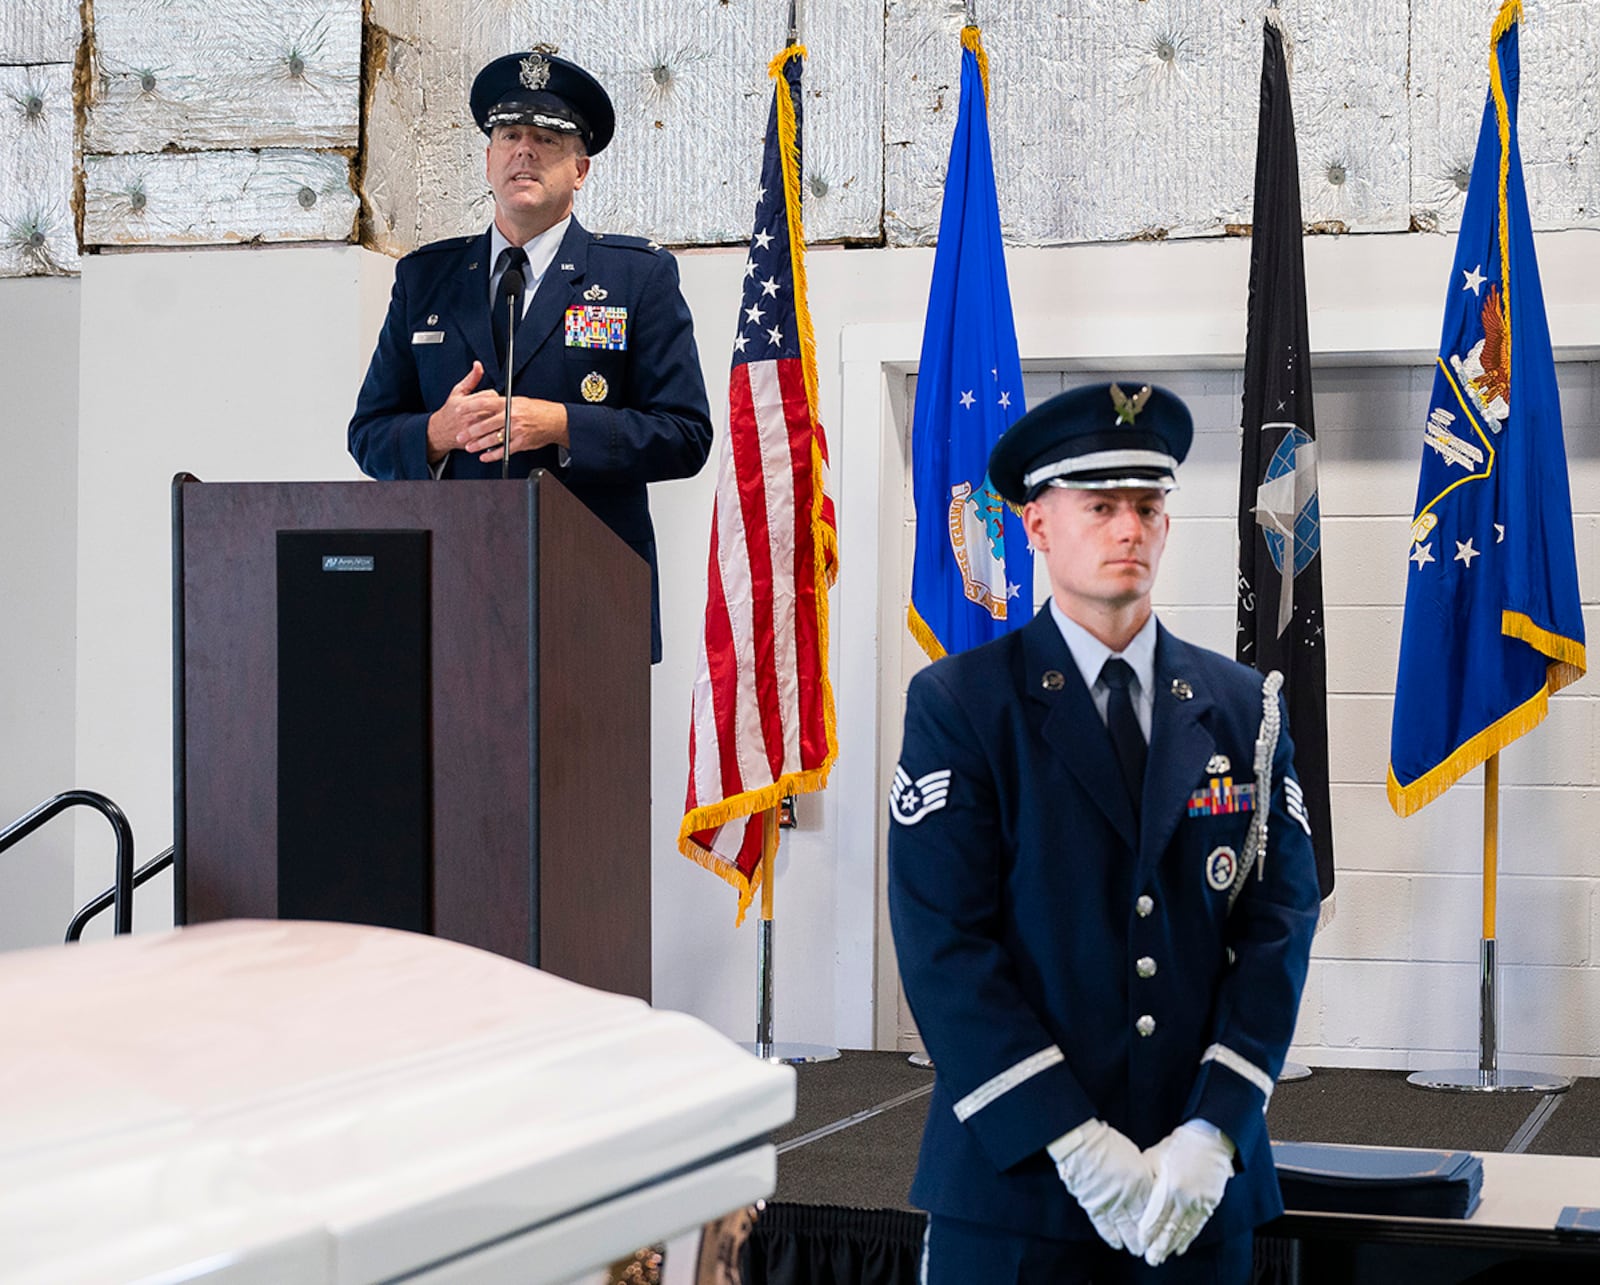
{"x": 511, "y": 287}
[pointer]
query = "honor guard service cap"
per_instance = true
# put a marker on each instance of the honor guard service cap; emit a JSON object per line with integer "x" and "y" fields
{"x": 538, "y": 88}
{"x": 1127, "y": 434}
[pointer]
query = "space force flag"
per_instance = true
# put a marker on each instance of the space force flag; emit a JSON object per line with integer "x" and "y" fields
{"x": 762, "y": 716}
{"x": 970, "y": 578}
{"x": 1492, "y": 620}
{"x": 1280, "y": 616}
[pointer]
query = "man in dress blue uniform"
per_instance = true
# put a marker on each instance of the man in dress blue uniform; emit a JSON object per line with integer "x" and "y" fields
{"x": 1103, "y": 895}
{"x": 607, "y": 392}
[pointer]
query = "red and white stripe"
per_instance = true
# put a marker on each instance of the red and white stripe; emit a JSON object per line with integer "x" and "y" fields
{"x": 759, "y": 725}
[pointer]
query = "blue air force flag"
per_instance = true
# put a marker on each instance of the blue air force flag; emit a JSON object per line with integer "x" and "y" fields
{"x": 1492, "y": 620}
{"x": 971, "y": 580}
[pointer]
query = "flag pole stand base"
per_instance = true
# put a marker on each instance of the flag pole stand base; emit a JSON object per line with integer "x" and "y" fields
{"x": 1489, "y": 1076}
{"x": 764, "y": 1046}
{"x": 1500, "y": 1080}
{"x": 1293, "y": 1071}
{"x": 784, "y": 1053}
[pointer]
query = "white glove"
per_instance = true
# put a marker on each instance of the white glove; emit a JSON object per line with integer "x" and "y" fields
{"x": 1109, "y": 1176}
{"x": 1192, "y": 1165}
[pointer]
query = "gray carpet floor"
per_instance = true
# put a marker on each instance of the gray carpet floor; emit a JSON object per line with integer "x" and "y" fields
{"x": 828, "y": 1156}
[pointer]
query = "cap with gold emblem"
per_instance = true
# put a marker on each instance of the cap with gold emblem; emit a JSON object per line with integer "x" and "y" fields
{"x": 538, "y": 88}
{"x": 1094, "y": 438}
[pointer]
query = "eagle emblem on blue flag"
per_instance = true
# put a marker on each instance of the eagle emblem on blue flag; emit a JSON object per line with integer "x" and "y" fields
{"x": 970, "y": 564}
{"x": 1493, "y": 624}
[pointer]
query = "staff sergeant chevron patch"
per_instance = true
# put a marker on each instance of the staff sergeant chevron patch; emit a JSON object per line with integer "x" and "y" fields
{"x": 910, "y": 801}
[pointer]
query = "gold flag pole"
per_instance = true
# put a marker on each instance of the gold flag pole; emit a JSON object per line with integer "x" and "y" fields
{"x": 765, "y": 1047}
{"x": 1489, "y": 1077}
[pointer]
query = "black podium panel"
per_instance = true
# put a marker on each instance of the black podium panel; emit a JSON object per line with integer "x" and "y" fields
{"x": 354, "y": 735}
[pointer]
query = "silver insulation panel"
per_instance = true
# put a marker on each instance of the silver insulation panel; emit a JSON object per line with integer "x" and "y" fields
{"x": 263, "y": 73}
{"x": 36, "y": 31}
{"x": 270, "y": 195}
{"x": 1139, "y": 120}
{"x": 689, "y": 82}
{"x": 1109, "y": 121}
{"x": 38, "y": 42}
{"x": 1558, "y": 125}
{"x": 36, "y": 129}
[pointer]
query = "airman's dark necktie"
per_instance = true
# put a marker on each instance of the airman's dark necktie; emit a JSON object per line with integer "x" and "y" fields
{"x": 1127, "y": 737}
{"x": 511, "y": 255}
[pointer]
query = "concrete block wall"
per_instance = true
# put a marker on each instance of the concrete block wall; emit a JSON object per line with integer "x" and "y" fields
{"x": 1395, "y": 972}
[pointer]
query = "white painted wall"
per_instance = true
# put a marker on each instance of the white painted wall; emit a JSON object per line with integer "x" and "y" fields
{"x": 38, "y": 552}
{"x": 240, "y": 364}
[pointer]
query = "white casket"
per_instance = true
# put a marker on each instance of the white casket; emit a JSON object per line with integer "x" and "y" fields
{"x": 316, "y": 1102}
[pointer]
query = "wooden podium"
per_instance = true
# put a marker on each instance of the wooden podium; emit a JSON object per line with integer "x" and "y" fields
{"x": 424, "y": 705}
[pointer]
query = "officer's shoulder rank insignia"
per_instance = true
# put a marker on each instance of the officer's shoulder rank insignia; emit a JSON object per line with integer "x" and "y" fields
{"x": 594, "y": 387}
{"x": 595, "y": 326}
{"x": 910, "y": 801}
{"x": 1221, "y": 866}
{"x": 595, "y": 293}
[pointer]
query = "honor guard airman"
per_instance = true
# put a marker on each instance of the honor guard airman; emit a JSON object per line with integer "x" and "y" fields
{"x": 606, "y": 390}
{"x": 1102, "y": 892}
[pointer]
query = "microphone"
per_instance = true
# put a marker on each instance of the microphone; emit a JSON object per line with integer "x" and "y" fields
{"x": 511, "y": 287}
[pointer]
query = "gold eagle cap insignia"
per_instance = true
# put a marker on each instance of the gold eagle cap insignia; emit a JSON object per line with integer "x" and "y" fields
{"x": 1128, "y": 408}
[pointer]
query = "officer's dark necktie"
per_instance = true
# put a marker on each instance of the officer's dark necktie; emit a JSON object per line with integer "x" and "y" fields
{"x": 512, "y": 254}
{"x": 1127, "y": 738}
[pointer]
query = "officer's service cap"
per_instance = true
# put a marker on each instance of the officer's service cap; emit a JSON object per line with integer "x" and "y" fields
{"x": 541, "y": 89}
{"x": 1127, "y": 434}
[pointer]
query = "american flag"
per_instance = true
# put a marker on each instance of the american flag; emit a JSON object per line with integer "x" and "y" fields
{"x": 762, "y": 723}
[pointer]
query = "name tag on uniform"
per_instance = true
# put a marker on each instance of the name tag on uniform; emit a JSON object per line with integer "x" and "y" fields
{"x": 592, "y": 326}
{"x": 427, "y": 336}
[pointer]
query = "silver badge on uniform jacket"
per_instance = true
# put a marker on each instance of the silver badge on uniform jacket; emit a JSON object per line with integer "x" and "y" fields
{"x": 1221, "y": 866}
{"x": 595, "y": 293}
{"x": 910, "y": 801}
{"x": 1217, "y": 764}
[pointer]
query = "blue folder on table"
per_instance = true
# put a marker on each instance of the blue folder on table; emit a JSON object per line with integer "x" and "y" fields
{"x": 1579, "y": 1218}
{"x": 1322, "y": 1177}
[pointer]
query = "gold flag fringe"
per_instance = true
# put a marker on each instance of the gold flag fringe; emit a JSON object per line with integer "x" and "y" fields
{"x": 825, "y": 540}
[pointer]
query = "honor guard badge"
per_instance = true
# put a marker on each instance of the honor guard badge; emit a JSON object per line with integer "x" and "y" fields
{"x": 592, "y": 326}
{"x": 1222, "y": 798}
{"x": 1221, "y": 866}
{"x": 594, "y": 387}
{"x": 910, "y": 801}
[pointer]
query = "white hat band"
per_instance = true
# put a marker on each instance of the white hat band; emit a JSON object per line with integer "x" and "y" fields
{"x": 1098, "y": 460}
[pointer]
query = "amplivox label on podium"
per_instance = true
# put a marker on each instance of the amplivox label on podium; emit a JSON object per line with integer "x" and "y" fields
{"x": 336, "y": 562}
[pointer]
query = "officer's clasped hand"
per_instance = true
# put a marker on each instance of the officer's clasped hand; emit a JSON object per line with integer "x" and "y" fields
{"x": 1192, "y": 1165}
{"x": 1110, "y": 1177}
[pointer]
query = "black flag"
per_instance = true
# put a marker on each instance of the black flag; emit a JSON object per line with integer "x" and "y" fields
{"x": 1280, "y": 526}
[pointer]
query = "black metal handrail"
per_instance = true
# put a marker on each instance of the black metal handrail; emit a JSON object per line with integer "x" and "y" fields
{"x": 90, "y": 909}
{"x": 122, "y": 890}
